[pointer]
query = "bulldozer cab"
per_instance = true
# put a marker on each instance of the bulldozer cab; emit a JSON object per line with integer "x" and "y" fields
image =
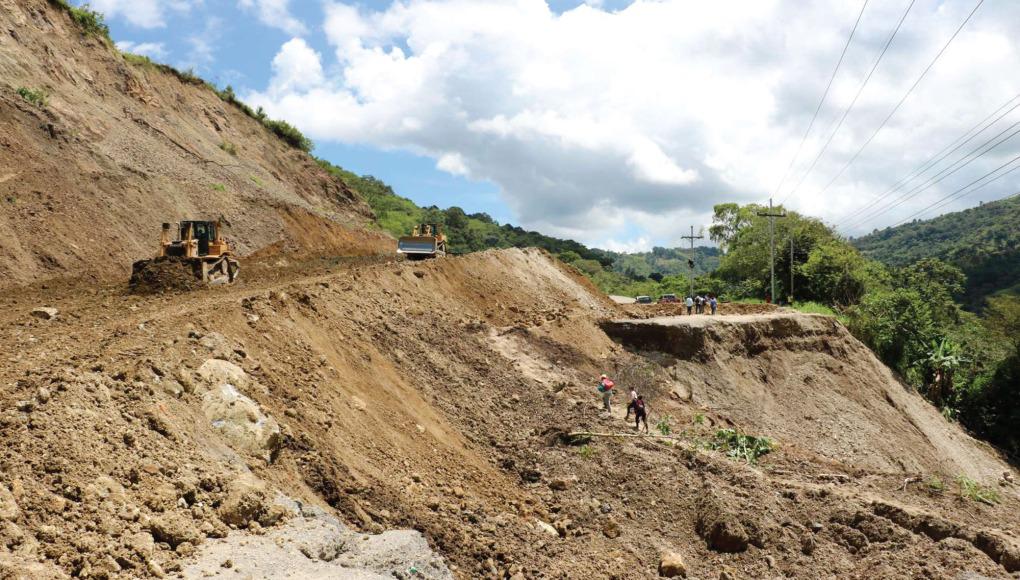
{"x": 425, "y": 241}
{"x": 201, "y": 232}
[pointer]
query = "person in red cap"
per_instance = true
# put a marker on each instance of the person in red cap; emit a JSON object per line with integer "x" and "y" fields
{"x": 605, "y": 387}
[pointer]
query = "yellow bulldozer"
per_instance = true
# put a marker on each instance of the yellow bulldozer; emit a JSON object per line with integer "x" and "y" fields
{"x": 426, "y": 241}
{"x": 194, "y": 248}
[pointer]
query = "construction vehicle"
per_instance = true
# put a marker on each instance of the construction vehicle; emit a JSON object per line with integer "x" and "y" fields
{"x": 198, "y": 245}
{"x": 426, "y": 241}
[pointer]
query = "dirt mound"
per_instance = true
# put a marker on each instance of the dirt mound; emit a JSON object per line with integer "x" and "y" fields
{"x": 162, "y": 275}
{"x": 121, "y": 147}
{"x": 435, "y": 396}
{"x": 678, "y": 309}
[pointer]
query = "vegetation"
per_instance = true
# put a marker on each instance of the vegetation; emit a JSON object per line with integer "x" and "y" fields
{"x": 587, "y": 451}
{"x": 219, "y": 187}
{"x": 737, "y": 445}
{"x": 90, "y": 21}
{"x": 229, "y": 148}
{"x": 974, "y": 491}
{"x": 983, "y": 242}
{"x": 37, "y": 97}
{"x": 665, "y": 425}
{"x": 910, "y": 315}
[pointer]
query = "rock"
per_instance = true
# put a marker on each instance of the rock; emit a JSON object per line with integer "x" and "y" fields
{"x": 25, "y": 406}
{"x": 561, "y": 484}
{"x": 9, "y": 510}
{"x": 173, "y": 530}
{"x": 816, "y": 527}
{"x": 808, "y": 544}
{"x": 672, "y": 565}
{"x": 720, "y": 529}
{"x": 727, "y": 573}
{"x": 241, "y": 421}
{"x": 43, "y": 395}
{"x": 547, "y": 528}
{"x": 611, "y": 529}
{"x": 141, "y": 543}
{"x": 45, "y": 313}
{"x": 217, "y": 372}
{"x": 248, "y": 500}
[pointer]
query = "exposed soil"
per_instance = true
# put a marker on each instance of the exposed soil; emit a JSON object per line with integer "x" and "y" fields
{"x": 162, "y": 275}
{"x": 432, "y": 402}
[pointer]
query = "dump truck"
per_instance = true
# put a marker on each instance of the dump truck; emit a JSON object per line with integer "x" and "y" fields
{"x": 426, "y": 241}
{"x": 193, "y": 247}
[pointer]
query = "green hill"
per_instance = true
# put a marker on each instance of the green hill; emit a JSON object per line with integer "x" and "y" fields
{"x": 983, "y": 241}
{"x": 613, "y": 272}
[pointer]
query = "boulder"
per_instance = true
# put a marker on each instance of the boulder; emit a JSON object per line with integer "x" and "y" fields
{"x": 250, "y": 500}
{"x": 217, "y": 372}
{"x": 672, "y": 565}
{"x": 241, "y": 420}
{"x": 547, "y": 528}
{"x": 720, "y": 528}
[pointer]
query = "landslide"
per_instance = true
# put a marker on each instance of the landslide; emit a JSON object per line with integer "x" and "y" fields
{"x": 120, "y": 147}
{"x": 436, "y": 396}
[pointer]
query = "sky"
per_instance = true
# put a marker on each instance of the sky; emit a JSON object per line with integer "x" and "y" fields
{"x": 621, "y": 124}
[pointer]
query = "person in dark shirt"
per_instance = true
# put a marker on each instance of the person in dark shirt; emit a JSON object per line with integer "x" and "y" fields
{"x": 640, "y": 413}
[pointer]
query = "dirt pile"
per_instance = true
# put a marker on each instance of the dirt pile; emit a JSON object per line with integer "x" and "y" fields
{"x": 120, "y": 147}
{"x": 438, "y": 396}
{"x": 162, "y": 275}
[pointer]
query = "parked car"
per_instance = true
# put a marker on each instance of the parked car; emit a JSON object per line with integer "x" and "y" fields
{"x": 644, "y": 299}
{"x": 667, "y": 298}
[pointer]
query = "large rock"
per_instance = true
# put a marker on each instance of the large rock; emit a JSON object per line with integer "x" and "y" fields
{"x": 672, "y": 565}
{"x": 720, "y": 528}
{"x": 218, "y": 371}
{"x": 250, "y": 500}
{"x": 241, "y": 420}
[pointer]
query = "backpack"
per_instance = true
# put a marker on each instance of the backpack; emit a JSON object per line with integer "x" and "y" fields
{"x": 606, "y": 385}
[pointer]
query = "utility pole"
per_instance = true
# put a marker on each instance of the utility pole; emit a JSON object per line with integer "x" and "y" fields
{"x": 690, "y": 262}
{"x": 772, "y": 243}
{"x": 791, "y": 269}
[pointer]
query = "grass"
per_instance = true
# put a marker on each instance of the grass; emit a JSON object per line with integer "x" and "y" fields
{"x": 37, "y": 97}
{"x": 587, "y": 452}
{"x": 974, "y": 491}
{"x": 219, "y": 187}
{"x": 229, "y": 148}
{"x": 90, "y": 21}
{"x": 936, "y": 485}
{"x": 257, "y": 181}
{"x": 699, "y": 419}
{"x": 813, "y": 308}
{"x": 739, "y": 446}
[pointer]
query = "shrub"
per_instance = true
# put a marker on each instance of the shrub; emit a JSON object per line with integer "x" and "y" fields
{"x": 974, "y": 491}
{"x": 289, "y": 134}
{"x": 229, "y": 148}
{"x": 37, "y": 97}
{"x": 936, "y": 485}
{"x": 587, "y": 451}
{"x": 699, "y": 419}
{"x": 219, "y": 187}
{"x": 737, "y": 445}
{"x": 664, "y": 426}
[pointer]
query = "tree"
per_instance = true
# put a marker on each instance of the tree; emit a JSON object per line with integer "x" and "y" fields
{"x": 835, "y": 274}
{"x": 727, "y": 222}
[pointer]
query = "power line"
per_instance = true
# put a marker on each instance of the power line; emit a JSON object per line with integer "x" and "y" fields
{"x": 957, "y": 194}
{"x": 971, "y": 192}
{"x": 946, "y": 172}
{"x": 934, "y": 159}
{"x": 902, "y": 100}
{"x": 860, "y": 90}
{"x": 821, "y": 101}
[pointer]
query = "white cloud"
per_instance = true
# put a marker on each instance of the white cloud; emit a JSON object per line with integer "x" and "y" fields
{"x": 275, "y": 13}
{"x": 150, "y": 49}
{"x": 593, "y": 121}
{"x": 141, "y": 13}
{"x": 452, "y": 163}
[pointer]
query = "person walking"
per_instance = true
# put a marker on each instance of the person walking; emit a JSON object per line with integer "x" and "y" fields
{"x": 605, "y": 387}
{"x": 630, "y": 405}
{"x": 690, "y": 304}
{"x": 714, "y": 304}
{"x": 640, "y": 413}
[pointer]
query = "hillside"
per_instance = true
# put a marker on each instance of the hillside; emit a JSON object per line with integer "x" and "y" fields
{"x": 340, "y": 412}
{"x": 103, "y": 148}
{"x": 983, "y": 241}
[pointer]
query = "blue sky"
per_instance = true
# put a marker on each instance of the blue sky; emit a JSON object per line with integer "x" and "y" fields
{"x": 618, "y": 123}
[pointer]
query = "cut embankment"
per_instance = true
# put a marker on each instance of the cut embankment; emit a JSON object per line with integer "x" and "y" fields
{"x": 806, "y": 381}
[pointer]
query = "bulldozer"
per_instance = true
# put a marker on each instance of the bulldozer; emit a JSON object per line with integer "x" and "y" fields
{"x": 196, "y": 247}
{"x": 426, "y": 241}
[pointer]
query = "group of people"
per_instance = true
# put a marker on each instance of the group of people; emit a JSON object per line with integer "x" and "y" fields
{"x": 636, "y": 404}
{"x": 699, "y": 303}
